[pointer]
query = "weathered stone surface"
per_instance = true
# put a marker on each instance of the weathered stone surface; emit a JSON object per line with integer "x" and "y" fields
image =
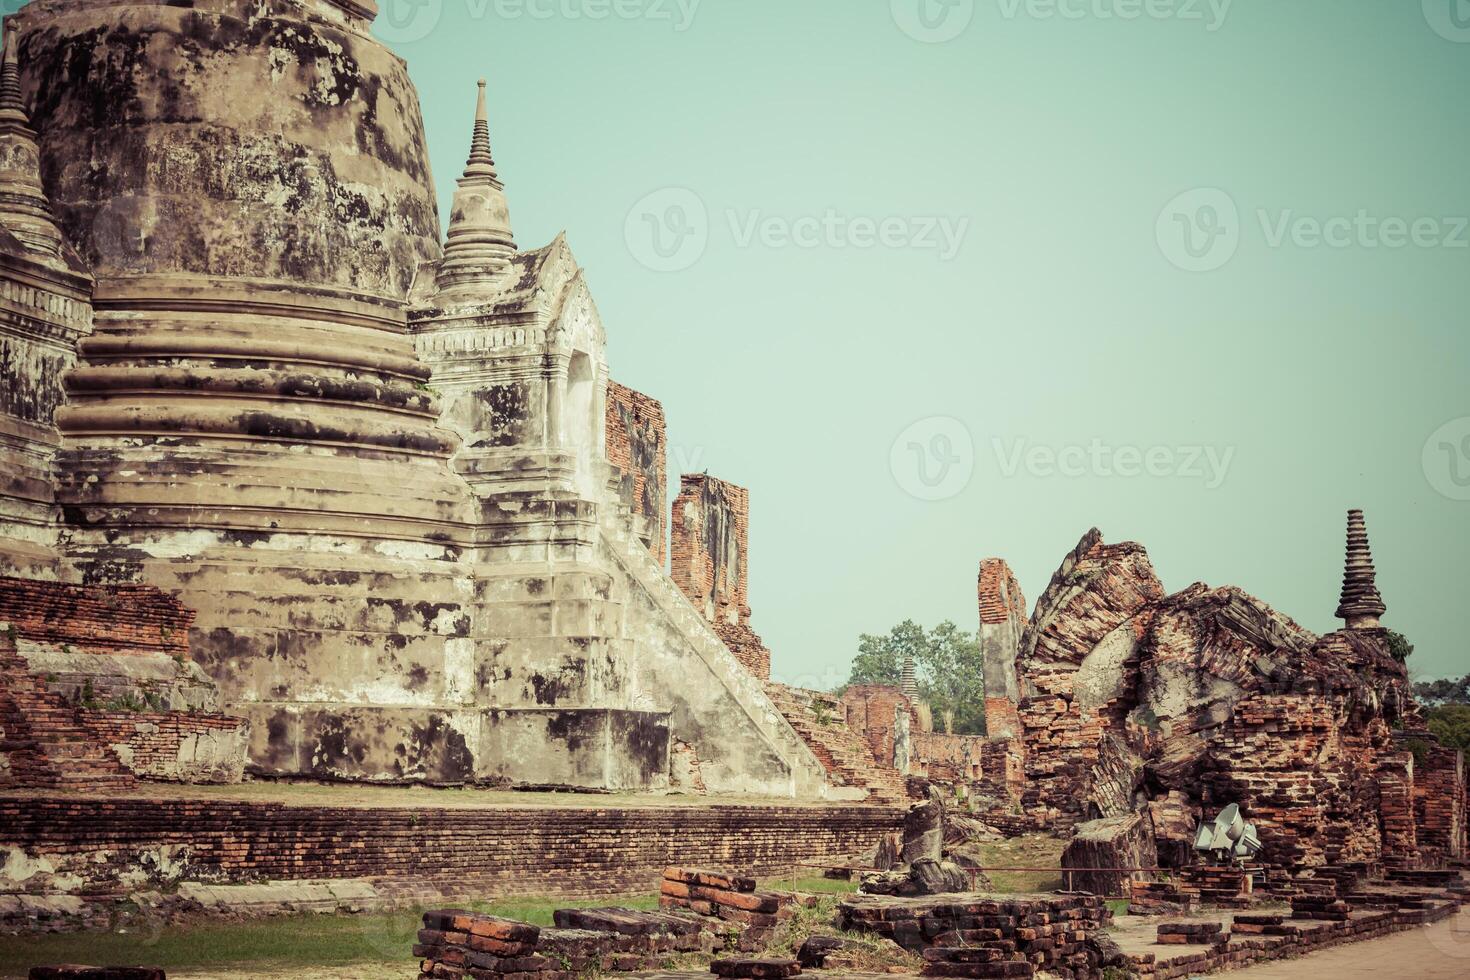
{"x": 1113, "y": 844}
{"x": 376, "y": 472}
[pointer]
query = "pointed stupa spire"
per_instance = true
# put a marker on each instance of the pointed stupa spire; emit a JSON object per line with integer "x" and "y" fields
{"x": 909, "y": 684}
{"x": 1361, "y": 605}
{"x": 24, "y": 210}
{"x": 12, "y": 108}
{"x": 480, "y": 244}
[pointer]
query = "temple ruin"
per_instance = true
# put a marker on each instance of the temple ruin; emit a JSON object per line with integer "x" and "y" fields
{"x": 374, "y": 461}
{"x": 302, "y": 486}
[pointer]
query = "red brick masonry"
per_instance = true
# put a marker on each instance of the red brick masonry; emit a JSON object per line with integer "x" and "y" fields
{"x": 97, "y": 618}
{"x": 572, "y": 852}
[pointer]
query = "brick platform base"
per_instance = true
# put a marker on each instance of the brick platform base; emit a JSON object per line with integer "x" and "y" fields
{"x": 117, "y": 845}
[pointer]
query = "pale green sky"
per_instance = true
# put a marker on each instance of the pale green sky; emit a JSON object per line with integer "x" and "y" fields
{"x": 792, "y": 345}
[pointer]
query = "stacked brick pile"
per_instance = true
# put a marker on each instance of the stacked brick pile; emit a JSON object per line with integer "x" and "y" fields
{"x": 618, "y": 939}
{"x": 987, "y": 936}
{"x": 1259, "y": 925}
{"x": 729, "y": 897}
{"x": 1225, "y": 886}
{"x": 1320, "y": 906}
{"x": 455, "y": 943}
{"x": 1190, "y": 933}
{"x": 1163, "y": 898}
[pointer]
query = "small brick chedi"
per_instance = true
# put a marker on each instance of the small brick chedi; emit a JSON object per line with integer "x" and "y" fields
{"x": 243, "y": 366}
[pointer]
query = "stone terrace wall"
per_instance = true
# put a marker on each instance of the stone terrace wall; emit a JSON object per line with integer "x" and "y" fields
{"x": 709, "y": 553}
{"x": 637, "y": 448}
{"x": 479, "y": 852}
{"x": 99, "y": 618}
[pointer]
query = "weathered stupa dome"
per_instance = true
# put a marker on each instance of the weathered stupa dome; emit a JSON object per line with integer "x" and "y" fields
{"x": 238, "y": 139}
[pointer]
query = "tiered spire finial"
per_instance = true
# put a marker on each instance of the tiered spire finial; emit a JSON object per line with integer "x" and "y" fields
{"x": 909, "y": 684}
{"x": 12, "y": 108}
{"x": 480, "y": 243}
{"x": 24, "y": 210}
{"x": 1361, "y": 604}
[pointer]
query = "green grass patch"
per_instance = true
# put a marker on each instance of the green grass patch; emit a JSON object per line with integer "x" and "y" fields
{"x": 301, "y": 941}
{"x": 817, "y": 885}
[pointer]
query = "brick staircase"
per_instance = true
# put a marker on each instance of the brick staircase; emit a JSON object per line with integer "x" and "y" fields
{"x": 40, "y": 737}
{"x": 821, "y": 722}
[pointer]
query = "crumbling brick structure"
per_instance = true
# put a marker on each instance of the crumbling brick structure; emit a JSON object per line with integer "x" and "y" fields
{"x": 709, "y": 551}
{"x": 1002, "y": 622}
{"x": 96, "y": 688}
{"x": 1173, "y": 706}
{"x": 637, "y": 450}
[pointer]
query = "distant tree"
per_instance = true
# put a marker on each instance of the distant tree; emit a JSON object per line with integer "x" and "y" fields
{"x": 1399, "y": 646}
{"x": 1447, "y": 691}
{"x": 880, "y": 659}
{"x": 1451, "y": 724}
{"x": 948, "y": 671}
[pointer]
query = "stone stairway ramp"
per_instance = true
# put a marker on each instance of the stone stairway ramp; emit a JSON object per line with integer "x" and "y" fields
{"x": 819, "y": 721}
{"x": 44, "y": 744}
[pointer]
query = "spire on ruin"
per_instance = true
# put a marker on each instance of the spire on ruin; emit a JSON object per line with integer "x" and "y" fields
{"x": 24, "y": 210}
{"x": 909, "y": 684}
{"x": 480, "y": 244}
{"x": 1361, "y": 605}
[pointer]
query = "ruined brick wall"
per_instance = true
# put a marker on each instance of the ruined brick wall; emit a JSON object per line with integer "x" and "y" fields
{"x": 173, "y": 746}
{"x": 885, "y": 719}
{"x": 1002, "y": 623}
{"x": 98, "y": 618}
{"x": 481, "y": 852}
{"x": 950, "y": 759}
{"x": 709, "y": 555}
{"x": 1306, "y": 773}
{"x": 1439, "y": 797}
{"x": 1395, "y": 774}
{"x": 637, "y": 448}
